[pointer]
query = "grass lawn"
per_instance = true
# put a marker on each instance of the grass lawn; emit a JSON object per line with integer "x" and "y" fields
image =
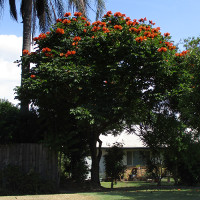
{"x": 187, "y": 194}
{"x": 123, "y": 190}
{"x": 148, "y": 195}
{"x": 136, "y": 184}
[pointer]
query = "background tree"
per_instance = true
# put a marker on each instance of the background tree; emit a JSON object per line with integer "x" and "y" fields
{"x": 164, "y": 135}
{"x": 187, "y": 94}
{"x": 9, "y": 115}
{"x": 114, "y": 165}
{"x": 98, "y": 78}
{"x": 170, "y": 138}
{"x": 13, "y": 129}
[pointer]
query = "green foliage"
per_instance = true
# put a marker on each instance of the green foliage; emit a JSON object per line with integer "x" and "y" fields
{"x": 187, "y": 97}
{"x": 184, "y": 163}
{"x": 155, "y": 166}
{"x": 173, "y": 146}
{"x": 188, "y": 166}
{"x": 9, "y": 116}
{"x": 98, "y": 75}
{"x": 12, "y": 126}
{"x": 73, "y": 164}
{"x": 89, "y": 79}
{"x": 14, "y": 181}
{"x": 114, "y": 166}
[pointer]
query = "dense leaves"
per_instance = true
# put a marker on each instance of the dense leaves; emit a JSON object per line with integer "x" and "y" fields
{"x": 12, "y": 126}
{"x": 113, "y": 162}
{"x": 96, "y": 78}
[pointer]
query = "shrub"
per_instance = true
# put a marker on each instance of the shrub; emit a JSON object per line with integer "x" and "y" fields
{"x": 14, "y": 181}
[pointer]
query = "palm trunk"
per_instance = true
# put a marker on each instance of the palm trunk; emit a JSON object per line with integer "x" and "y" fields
{"x": 27, "y": 24}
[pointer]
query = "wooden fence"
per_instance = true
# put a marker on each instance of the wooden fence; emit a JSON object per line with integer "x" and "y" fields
{"x": 28, "y": 157}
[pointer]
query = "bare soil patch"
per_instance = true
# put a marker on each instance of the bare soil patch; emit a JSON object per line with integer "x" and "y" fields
{"x": 50, "y": 197}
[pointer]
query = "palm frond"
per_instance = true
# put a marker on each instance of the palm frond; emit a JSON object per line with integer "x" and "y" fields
{"x": 78, "y": 5}
{"x": 100, "y": 8}
{"x": 13, "y": 10}
{"x": 40, "y": 7}
{"x": 43, "y": 13}
{"x": 59, "y": 6}
{"x": 1, "y": 3}
{"x": 84, "y": 5}
{"x": 1, "y": 7}
{"x": 34, "y": 17}
{"x": 22, "y": 7}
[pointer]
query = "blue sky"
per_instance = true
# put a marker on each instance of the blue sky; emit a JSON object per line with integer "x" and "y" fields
{"x": 181, "y": 18}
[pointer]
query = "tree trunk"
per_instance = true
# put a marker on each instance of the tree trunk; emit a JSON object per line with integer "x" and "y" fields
{"x": 96, "y": 156}
{"x": 27, "y": 25}
{"x": 112, "y": 183}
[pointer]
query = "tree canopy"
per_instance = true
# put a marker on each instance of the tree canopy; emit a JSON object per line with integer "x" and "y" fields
{"x": 101, "y": 77}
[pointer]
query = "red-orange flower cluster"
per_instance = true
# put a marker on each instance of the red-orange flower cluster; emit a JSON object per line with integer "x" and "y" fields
{"x": 149, "y": 34}
{"x": 32, "y": 76}
{"x": 97, "y": 23}
{"x": 58, "y": 20}
{"x": 105, "y": 30}
{"x": 166, "y": 34}
{"x": 83, "y": 18}
{"x": 183, "y": 53}
{"x": 60, "y": 31}
{"x": 108, "y": 14}
{"x": 67, "y": 14}
{"x": 95, "y": 28}
{"x": 141, "y": 38}
{"x": 103, "y": 24}
{"x": 133, "y": 29}
{"x": 118, "y": 27}
{"x": 74, "y": 43}
{"x": 87, "y": 23}
{"x": 25, "y": 52}
{"x": 77, "y": 38}
{"x": 142, "y": 19}
{"x": 46, "y": 50}
{"x": 151, "y": 22}
{"x": 129, "y": 23}
{"x": 170, "y": 45}
{"x": 70, "y": 53}
{"x": 40, "y": 37}
{"x": 66, "y": 21}
{"x": 162, "y": 49}
{"x": 118, "y": 14}
{"x": 77, "y": 14}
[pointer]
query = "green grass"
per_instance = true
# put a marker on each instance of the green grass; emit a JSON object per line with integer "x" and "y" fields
{"x": 148, "y": 195}
{"x": 135, "y": 184}
{"x": 139, "y": 191}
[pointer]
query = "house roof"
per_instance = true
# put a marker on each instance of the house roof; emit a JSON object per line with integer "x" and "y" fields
{"x": 129, "y": 140}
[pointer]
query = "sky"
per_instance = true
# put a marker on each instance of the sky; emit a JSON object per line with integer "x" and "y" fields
{"x": 181, "y": 18}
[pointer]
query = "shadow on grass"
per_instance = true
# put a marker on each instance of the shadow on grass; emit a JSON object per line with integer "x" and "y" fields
{"x": 144, "y": 192}
{"x": 150, "y": 195}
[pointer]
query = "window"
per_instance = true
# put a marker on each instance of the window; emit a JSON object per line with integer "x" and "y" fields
{"x": 129, "y": 158}
{"x": 137, "y": 157}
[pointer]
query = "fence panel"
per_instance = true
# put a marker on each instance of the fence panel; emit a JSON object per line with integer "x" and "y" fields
{"x": 28, "y": 157}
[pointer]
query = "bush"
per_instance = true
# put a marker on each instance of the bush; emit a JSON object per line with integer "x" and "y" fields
{"x": 14, "y": 181}
{"x": 114, "y": 162}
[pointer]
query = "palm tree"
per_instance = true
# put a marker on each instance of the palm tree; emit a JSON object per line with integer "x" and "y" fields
{"x": 45, "y": 11}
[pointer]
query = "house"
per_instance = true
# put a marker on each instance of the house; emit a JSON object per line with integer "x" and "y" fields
{"x": 134, "y": 154}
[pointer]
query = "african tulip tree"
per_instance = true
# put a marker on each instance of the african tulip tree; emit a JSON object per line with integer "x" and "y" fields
{"x": 98, "y": 78}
